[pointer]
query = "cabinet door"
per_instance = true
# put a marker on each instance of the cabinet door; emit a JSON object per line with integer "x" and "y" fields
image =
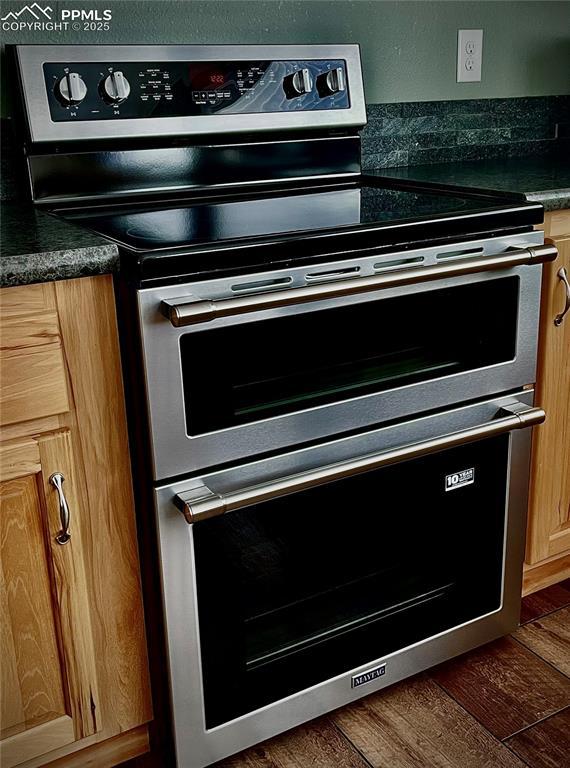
{"x": 49, "y": 691}
{"x": 549, "y": 513}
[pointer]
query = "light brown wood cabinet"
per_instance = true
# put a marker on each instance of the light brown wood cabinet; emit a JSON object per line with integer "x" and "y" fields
{"x": 74, "y": 672}
{"x": 548, "y": 538}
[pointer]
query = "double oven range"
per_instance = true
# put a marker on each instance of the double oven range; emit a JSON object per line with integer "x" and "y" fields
{"x": 335, "y": 373}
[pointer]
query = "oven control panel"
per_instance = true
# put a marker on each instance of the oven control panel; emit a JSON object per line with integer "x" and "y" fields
{"x": 118, "y": 90}
{"x": 74, "y": 92}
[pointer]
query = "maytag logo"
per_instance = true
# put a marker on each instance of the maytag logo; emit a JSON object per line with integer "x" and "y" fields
{"x": 368, "y": 676}
{"x": 459, "y": 479}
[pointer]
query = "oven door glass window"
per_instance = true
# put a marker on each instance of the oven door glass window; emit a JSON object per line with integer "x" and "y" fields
{"x": 261, "y": 369}
{"x": 296, "y": 590}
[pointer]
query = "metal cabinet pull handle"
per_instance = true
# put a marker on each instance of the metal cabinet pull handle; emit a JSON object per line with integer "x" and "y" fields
{"x": 563, "y": 275}
{"x": 200, "y": 503}
{"x": 183, "y": 313}
{"x": 63, "y": 536}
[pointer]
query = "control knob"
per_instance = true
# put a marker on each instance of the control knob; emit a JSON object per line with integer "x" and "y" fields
{"x": 71, "y": 89}
{"x": 115, "y": 88}
{"x": 331, "y": 82}
{"x": 298, "y": 83}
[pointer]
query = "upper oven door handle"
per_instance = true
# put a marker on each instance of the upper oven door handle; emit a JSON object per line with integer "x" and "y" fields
{"x": 200, "y": 503}
{"x": 186, "y": 313}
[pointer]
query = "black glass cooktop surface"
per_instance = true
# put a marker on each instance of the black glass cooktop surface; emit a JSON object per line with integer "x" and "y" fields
{"x": 199, "y": 222}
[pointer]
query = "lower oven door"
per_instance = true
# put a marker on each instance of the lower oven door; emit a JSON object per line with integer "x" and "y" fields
{"x": 339, "y": 569}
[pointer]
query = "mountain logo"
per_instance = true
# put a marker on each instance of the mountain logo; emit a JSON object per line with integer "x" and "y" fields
{"x": 35, "y": 10}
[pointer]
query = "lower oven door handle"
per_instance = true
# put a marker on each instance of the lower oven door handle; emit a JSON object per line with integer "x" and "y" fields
{"x": 183, "y": 313}
{"x": 200, "y": 503}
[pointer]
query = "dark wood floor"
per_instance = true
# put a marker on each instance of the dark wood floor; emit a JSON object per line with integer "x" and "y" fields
{"x": 506, "y": 705}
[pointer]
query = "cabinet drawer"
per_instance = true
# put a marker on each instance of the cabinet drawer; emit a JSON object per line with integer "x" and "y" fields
{"x": 33, "y": 381}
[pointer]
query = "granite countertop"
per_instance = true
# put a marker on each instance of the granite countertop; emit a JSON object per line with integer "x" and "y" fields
{"x": 37, "y": 247}
{"x": 542, "y": 179}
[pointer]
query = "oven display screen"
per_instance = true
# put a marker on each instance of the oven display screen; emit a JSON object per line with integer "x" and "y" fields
{"x": 218, "y": 85}
{"x": 202, "y": 76}
{"x": 211, "y": 78}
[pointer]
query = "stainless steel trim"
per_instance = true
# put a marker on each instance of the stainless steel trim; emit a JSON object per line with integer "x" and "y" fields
{"x": 189, "y": 313}
{"x": 202, "y": 503}
{"x": 197, "y": 746}
{"x": 42, "y": 128}
{"x": 63, "y": 536}
{"x": 563, "y": 276}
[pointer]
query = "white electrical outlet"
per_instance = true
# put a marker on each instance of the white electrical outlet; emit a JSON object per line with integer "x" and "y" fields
{"x": 469, "y": 55}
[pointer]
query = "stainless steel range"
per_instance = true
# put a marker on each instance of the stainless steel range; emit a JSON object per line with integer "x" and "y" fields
{"x": 331, "y": 374}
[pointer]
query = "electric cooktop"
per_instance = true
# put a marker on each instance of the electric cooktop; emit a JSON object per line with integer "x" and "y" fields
{"x": 178, "y": 226}
{"x": 207, "y": 233}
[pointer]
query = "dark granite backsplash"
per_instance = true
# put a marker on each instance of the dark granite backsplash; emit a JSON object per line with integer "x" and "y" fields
{"x": 416, "y": 133}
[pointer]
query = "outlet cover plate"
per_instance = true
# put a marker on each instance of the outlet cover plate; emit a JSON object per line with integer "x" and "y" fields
{"x": 469, "y": 55}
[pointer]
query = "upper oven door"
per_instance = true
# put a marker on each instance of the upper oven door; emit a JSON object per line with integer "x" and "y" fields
{"x": 242, "y": 366}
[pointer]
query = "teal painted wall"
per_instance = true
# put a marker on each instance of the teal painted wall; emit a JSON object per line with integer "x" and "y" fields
{"x": 408, "y": 48}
